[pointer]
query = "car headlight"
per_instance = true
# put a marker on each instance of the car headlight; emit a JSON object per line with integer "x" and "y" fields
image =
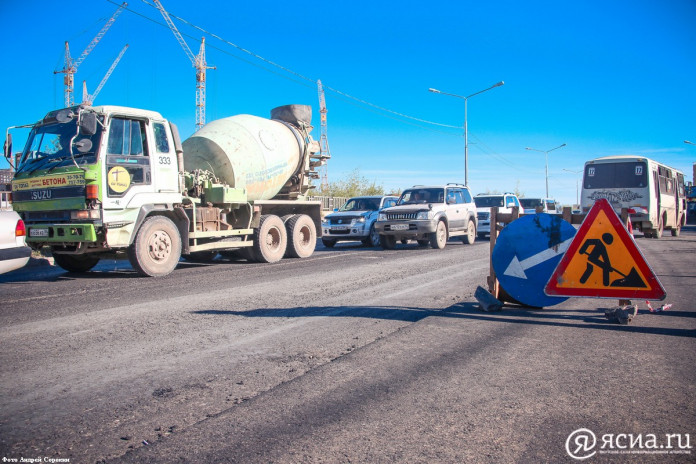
{"x": 357, "y": 221}
{"x": 423, "y": 215}
{"x": 382, "y": 217}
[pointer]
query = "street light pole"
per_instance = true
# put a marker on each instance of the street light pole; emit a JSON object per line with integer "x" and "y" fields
{"x": 466, "y": 129}
{"x": 547, "y": 163}
{"x": 577, "y": 195}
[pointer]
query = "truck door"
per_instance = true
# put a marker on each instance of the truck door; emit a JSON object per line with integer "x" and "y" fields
{"x": 128, "y": 170}
{"x": 165, "y": 169}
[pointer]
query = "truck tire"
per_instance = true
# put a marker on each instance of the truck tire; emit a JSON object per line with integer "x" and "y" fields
{"x": 270, "y": 239}
{"x": 201, "y": 256}
{"x": 76, "y": 263}
{"x": 302, "y": 236}
{"x": 470, "y": 236}
{"x": 438, "y": 239}
{"x": 156, "y": 250}
{"x": 388, "y": 242}
{"x": 423, "y": 242}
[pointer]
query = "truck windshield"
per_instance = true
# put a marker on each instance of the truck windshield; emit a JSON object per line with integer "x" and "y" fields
{"x": 616, "y": 175}
{"x": 531, "y": 202}
{"x": 488, "y": 202}
{"x": 49, "y": 147}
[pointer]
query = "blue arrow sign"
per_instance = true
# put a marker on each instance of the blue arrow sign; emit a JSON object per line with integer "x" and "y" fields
{"x": 526, "y": 254}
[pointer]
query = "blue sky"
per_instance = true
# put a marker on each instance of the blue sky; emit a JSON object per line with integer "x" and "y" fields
{"x": 605, "y": 77}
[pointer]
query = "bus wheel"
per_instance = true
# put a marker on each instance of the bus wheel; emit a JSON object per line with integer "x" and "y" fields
{"x": 676, "y": 230}
{"x": 657, "y": 233}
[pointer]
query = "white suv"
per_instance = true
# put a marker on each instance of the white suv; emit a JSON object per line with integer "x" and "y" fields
{"x": 430, "y": 215}
{"x": 485, "y": 201}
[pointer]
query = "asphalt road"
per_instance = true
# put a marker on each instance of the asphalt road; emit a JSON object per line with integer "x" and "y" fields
{"x": 353, "y": 355}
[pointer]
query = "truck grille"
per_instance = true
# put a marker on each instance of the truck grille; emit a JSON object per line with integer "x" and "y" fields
{"x": 401, "y": 216}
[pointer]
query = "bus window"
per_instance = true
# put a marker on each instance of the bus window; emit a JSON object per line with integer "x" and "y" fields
{"x": 616, "y": 175}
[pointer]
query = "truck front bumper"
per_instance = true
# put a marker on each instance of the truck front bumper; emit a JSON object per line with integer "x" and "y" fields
{"x": 61, "y": 233}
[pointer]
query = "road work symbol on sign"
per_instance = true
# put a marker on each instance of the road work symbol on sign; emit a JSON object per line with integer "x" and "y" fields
{"x": 526, "y": 254}
{"x": 603, "y": 261}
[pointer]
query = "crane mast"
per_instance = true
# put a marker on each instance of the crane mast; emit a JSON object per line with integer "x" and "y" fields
{"x": 70, "y": 67}
{"x": 198, "y": 62}
{"x": 88, "y": 99}
{"x": 324, "y": 153}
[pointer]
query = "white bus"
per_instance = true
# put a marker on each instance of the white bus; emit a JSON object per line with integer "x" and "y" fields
{"x": 653, "y": 193}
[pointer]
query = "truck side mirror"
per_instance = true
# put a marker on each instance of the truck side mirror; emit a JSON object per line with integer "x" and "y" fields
{"x": 88, "y": 124}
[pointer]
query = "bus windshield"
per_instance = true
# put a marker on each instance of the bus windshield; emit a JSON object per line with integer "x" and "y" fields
{"x": 632, "y": 174}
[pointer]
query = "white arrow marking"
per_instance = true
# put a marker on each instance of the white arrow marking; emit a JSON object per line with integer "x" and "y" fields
{"x": 516, "y": 267}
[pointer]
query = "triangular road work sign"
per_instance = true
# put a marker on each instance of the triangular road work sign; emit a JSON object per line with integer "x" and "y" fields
{"x": 603, "y": 261}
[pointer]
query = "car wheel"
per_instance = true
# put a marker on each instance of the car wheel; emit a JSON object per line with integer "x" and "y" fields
{"x": 388, "y": 242}
{"x": 438, "y": 239}
{"x": 470, "y": 236}
{"x": 424, "y": 242}
{"x": 374, "y": 238}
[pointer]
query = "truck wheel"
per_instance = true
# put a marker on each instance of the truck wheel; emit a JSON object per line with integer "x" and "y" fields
{"x": 388, "y": 242}
{"x": 201, "y": 256}
{"x": 470, "y": 236}
{"x": 302, "y": 236}
{"x": 676, "y": 230}
{"x": 76, "y": 263}
{"x": 423, "y": 242}
{"x": 328, "y": 243}
{"x": 156, "y": 249}
{"x": 270, "y": 239}
{"x": 438, "y": 239}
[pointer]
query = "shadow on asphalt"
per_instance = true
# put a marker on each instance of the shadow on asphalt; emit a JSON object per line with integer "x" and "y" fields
{"x": 583, "y": 319}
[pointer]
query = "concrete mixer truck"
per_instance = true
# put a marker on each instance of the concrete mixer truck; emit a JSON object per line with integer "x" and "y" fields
{"x": 109, "y": 181}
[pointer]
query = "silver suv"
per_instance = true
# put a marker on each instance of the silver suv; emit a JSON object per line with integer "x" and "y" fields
{"x": 355, "y": 220}
{"x": 430, "y": 215}
{"x": 485, "y": 201}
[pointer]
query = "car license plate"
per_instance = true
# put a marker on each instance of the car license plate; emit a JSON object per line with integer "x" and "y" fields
{"x": 339, "y": 228}
{"x": 38, "y": 232}
{"x": 399, "y": 227}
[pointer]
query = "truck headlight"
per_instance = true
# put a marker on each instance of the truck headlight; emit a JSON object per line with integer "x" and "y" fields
{"x": 423, "y": 215}
{"x": 382, "y": 217}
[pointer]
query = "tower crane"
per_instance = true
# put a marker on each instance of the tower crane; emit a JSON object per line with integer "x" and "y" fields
{"x": 324, "y": 153}
{"x": 198, "y": 62}
{"x": 71, "y": 65}
{"x": 88, "y": 99}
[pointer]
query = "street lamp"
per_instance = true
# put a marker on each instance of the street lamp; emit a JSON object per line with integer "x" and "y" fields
{"x": 466, "y": 132}
{"x": 577, "y": 196}
{"x": 547, "y": 163}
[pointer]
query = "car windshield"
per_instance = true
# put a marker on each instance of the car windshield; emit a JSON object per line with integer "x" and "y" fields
{"x": 531, "y": 202}
{"x": 49, "y": 146}
{"x": 422, "y": 196}
{"x": 361, "y": 204}
{"x": 488, "y": 202}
